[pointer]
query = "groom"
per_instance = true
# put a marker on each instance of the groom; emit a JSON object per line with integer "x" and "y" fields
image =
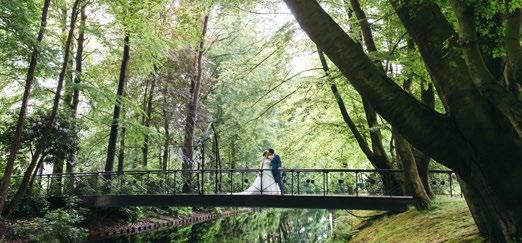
{"x": 276, "y": 169}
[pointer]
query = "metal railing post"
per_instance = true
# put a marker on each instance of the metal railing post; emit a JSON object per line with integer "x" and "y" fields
{"x": 202, "y": 187}
{"x": 120, "y": 175}
{"x": 298, "y": 183}
{"x": 261, "y": 171}
{"x": 165, "y": 181}
{"x": 242, "y": 180}
{"x": 175, "y": 183}
{"x": 324, "y": 183}
{"x": 450, "y": 184}
{"x": 48, "y": 191}
{"x": 292, "y": 171}
{"x": 356, "y": 183}
{"x": 231, "y": 180}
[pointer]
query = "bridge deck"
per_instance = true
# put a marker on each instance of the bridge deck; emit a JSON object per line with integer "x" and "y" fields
{"x": 388, "y": 203}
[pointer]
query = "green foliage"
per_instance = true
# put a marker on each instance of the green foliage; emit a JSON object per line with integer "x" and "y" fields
{"x": 58, "y": 225}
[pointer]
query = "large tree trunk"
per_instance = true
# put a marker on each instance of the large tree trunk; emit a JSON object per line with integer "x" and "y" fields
{"x": 49, "y": 125}
{"x": 188, "y": 141}
{"x": 16, "y": 138}
{"x": 478, "y": 138}
{"x": 148, "y": 118}
{"x": 111, "y": 148}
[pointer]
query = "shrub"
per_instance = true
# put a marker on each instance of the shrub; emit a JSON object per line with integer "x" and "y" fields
{"x": 57, "y": 225}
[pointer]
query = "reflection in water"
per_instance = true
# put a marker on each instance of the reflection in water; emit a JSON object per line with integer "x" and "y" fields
{"x": 265, "y": 226}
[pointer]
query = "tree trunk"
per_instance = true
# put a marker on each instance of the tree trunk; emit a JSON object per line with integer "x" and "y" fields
{"x": 16, "y": 138}
{"x": 49, "y": 126}
{"x": 411, "y": 175}
{"x": 422, "y": 160}
{"x": 148, "y": 118}
{"x": 166, "y": 122}
{"x": 480, "y": 216}
{"x": 56, "y": 182}
{"x": 39, "y": 168}
{"x": 71, "y": 158}
{"x": 121, "y": 150}
{"x": 217, "y": 176}
{"x": 188, "y": 141}
{"x": 408, "y": 155}
{"x": 68, "y": 82}
{"x": 111, "y": 148}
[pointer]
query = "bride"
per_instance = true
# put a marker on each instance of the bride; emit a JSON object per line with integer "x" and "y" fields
{"x": 269, "y": 185}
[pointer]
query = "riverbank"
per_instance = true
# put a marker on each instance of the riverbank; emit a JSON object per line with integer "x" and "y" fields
{"x": 71, "y": 225}
{"x": 448, "y": 220}
{"x": 158, "y": 222}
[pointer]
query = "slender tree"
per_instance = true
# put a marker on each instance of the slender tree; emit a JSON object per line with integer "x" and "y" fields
{"x": 148, "y": 116}
{"x": 166, "y": 126}
{"x": 111, "y": 148}
{"x": 71, "y": 158}
{"x": 16, "y": 139}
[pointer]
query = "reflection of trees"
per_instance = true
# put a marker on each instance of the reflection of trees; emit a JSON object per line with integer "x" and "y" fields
{"x": 276, "y": 226}
{"x": 264, "y": 226}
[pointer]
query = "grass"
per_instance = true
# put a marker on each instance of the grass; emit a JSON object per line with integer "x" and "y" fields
{"x": 448, "y": 220}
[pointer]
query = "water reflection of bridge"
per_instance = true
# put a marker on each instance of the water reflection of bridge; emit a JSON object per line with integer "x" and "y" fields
{"x": 304, "y": 188}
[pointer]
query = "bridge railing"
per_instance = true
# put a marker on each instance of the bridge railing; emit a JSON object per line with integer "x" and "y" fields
{"x": 347, "y": 182}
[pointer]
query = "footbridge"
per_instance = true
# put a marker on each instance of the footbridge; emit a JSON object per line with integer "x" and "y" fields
{"x": 304, "y": 188}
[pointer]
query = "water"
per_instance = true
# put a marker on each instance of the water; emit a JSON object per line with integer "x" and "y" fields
{"x": 265, "y": 226}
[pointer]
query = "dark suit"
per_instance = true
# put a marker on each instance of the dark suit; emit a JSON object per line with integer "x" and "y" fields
{"x": 276, "y": 171}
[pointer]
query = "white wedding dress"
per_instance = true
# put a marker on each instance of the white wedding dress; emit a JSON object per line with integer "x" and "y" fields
{"x": 270, "y": 186}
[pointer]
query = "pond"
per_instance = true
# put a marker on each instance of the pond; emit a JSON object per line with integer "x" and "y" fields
{"x": 274, "y": 225}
